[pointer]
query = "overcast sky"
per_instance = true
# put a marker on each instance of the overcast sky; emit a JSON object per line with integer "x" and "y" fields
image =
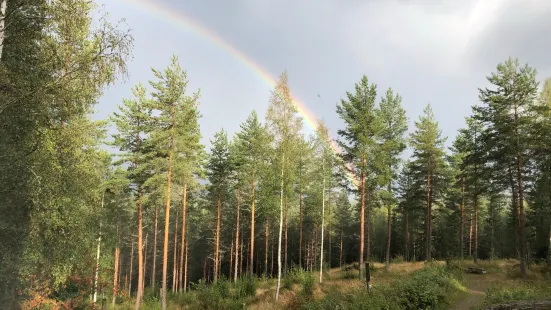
{"x": 430, "y": 51}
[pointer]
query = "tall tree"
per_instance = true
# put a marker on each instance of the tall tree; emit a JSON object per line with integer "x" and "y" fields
{"x": 285, "y": 124}
{"x": 507, "y": 111}
{"x": 393, "y": 142}
{"x": 358, "y": 141}
{"x": 132, "y": 126}
{"x": 169, "y": 99}
{"x": 253, "y": 142}
{"x": 428, "y": 161}
{"x": 218, "y": 171}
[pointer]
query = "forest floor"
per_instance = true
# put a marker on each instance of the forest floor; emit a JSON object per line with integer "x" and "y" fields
{"x": 500, "y": 274}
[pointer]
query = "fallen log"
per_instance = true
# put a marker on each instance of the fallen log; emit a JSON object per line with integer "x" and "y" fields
{"x": 523, "y": 305}
{"x": 476, "y": 270}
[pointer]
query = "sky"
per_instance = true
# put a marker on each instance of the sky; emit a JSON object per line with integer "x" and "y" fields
{"x": 436, "y": 52}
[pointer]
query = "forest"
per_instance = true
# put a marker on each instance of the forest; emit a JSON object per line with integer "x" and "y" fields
{"x": 163, "y": 215}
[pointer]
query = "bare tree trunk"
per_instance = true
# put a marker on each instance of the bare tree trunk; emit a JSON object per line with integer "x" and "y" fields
{"x": 144, "y": 264}
{"x": 340, "y": 249}
{"x": 462, "y": 232}
{"x": 175, "y": 256}
{"x": 3, "y": 7}
{"x": 116, "y": 271}
{"x": 241, "y": 256}
{"x": 167, "y": 212}
{"x": 362, "y": 217}
{"x": 267, "y": 235}
{"x": 300, "y": 228}
{"x": 475, "y": 228}
{"x": 96, "y": 273}
{"x": 131, "y": 270}
{"x": 140, "y": 250}
{"x": 237, "y": 236}
{"x": 471, "y": 237}
{"x": 217, "y": 236}
{"x": 252, "y": 224}
{"x": 231, "y": 259}
{"x": 185, "y": 265}
{"x": 280, "y": 229}
{"x": 285, "y": 268}
{"x": 515, "y": 210}
{"x": 329, "y": 248}
{"x": 154, "y": 263}
{"x": 182, "y": 245}
{"x": 322, "y": 218}
{"x": 428, "y": 222}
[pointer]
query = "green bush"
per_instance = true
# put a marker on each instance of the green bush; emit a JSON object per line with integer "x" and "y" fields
{"x": 398, "y": 259}
{"x": 518, "y": 292}
{"x": 308, "y": 283}
{"x": 246, "y": 287}
{"x": 429, "y": 288}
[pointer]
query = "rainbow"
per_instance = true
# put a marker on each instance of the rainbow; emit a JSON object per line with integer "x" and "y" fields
{"x": 180, "y": 20}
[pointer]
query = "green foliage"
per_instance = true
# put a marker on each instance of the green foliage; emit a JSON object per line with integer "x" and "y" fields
{"x": 519, "y": 291}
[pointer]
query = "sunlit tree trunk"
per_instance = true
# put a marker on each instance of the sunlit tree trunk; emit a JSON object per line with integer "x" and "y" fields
{"x": 286, "y": 233}
{"x": 280, "y": 229}
{"x": 185, "y": 264}
{"x": 175, "y": 256}
{"x": 116, "y": 271}
{"x": 96, "y": 273}
{"x": 167, "y": 211}
{"x": 471, "y": 237}
{"x": 154, "y": 263}
{"x": 144, "y": 264}
{"x": 184, "y": 214}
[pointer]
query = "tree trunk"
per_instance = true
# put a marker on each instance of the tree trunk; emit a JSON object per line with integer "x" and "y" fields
{"x": 3, "y": 7}
{"x": 144, "y": 264}
{"x": 175, "y": 256}
{"x": 329, "y": 248}
{"x": 389, "y": 227}
{"x": 96, "y": 273}
{"x": 519, "y": 164}
{"x": 267, "y": 235}
{"x": 131, "y": 271}
{"x": 515, "y": 210}
{"x": 252, "y": 224}
{"x": 237, "y": 235}
{"x": 362, "y": 214}
{"x": 116, "y": 271}
{"x": 475, "y": 228}
{"x": 322, "y": 219}
{"x": 241, "y": 256}
{"x": 285, "y": 268}
{"x": 231, "y": 258}
{"x": 428, "y": 222}
{"x": 280, "y": 229}
{"x": 406, "y": 252}
{"x": 340, "y": 249}
{"x": 154, "y": 263}
{"x": 217, "y": 236}
{"x": 272, "y": 263}
{"x": 183, "y": 242}
{"x": 167, "y": 211}
{"x": 471, "y": 237}
{"x": 300, "y": 228}
{"x": 140, "y": 250}
{"x": 462, "y": 220}
{"x": 185, "y": 265}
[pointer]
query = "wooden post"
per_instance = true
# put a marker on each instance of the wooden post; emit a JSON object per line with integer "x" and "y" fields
{"x": 367, "y": 276}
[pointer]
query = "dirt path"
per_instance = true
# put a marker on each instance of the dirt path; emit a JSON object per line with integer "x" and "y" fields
{"x": 476, "y": 291}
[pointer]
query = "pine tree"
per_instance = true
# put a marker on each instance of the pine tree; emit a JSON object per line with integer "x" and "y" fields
{"x": 218, "y": 172}
{"x": 428, "y": 163}
{"x": 253, "y": 142}
{"x": 132, "y": 125}
{"x": 394, "y": 126}
{"x": 358, "y": 142}
{"x": 169, "y": 99}
{"x": 507, "y": 112}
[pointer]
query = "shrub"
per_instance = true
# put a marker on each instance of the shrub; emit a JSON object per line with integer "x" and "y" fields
{"x": 246, "y": 287}
{"x": 518, "y": 291}
{"x": 308, "y": 283}
{"x": 398, "y": 259}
